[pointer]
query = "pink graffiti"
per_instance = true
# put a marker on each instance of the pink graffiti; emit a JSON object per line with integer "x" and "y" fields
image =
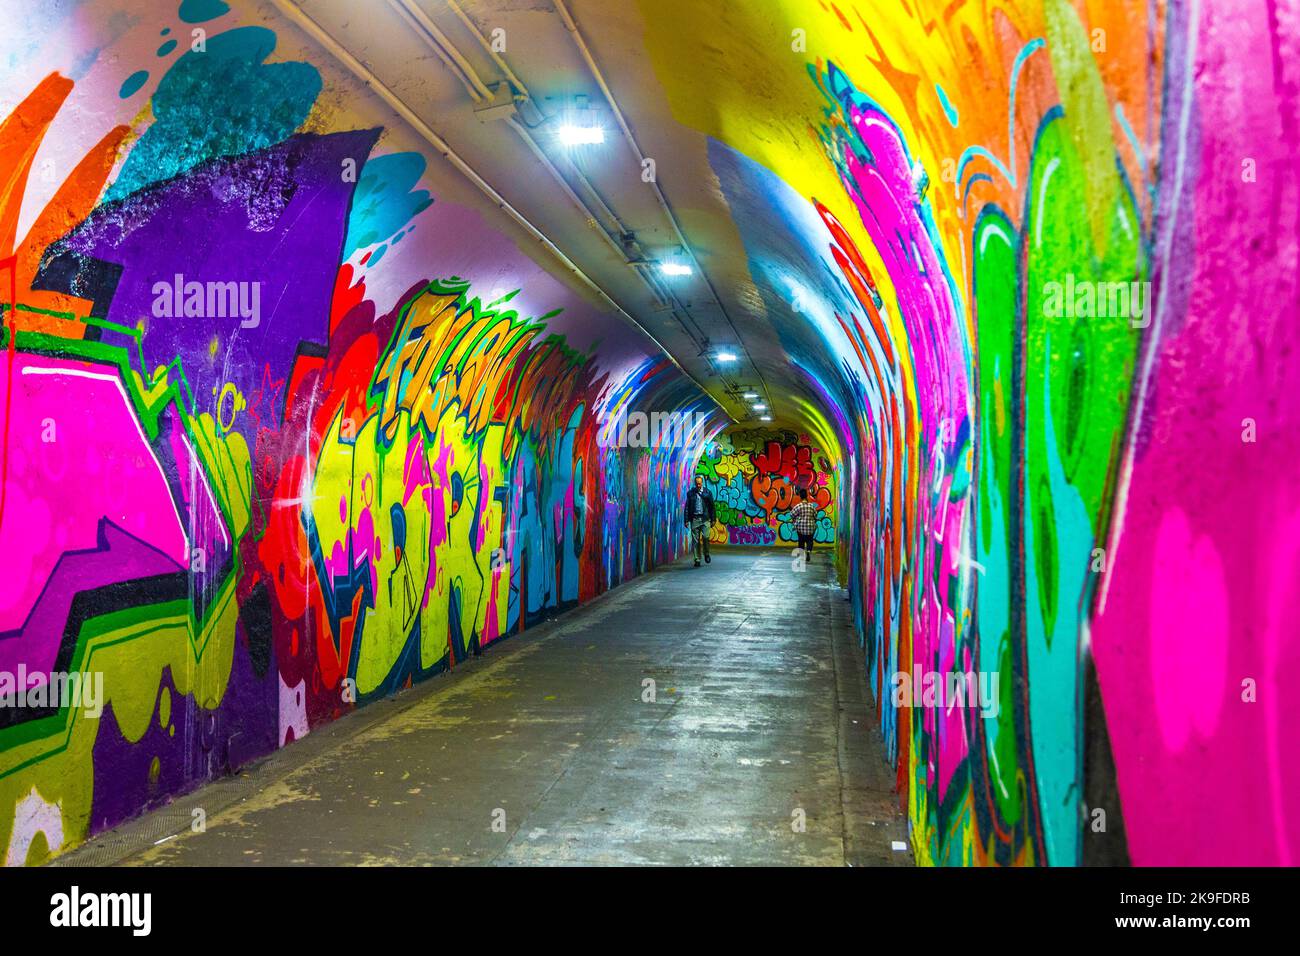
{"x": 70, "y": 474}
{"x": 1195, "y": 636}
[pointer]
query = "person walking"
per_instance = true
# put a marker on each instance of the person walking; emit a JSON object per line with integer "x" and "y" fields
{"x": 804, "y": 518}
{"x": 698, "y": 511}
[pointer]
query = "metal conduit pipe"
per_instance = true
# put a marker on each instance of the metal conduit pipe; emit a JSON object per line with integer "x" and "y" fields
{"x": 363, "y": 73}
{"x": 522, "y": 95}
{"x": 572, "y": 26}
{"x": 445, "y": 49}
{"x": 480, "y": 92}
{"x": 497, "y": 58}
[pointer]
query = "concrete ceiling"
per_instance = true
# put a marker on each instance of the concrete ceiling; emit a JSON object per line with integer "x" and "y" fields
{"x": 498, "y": 110}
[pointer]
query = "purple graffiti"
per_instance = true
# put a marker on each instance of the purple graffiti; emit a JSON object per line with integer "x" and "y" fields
{"x": 751, "y": 534}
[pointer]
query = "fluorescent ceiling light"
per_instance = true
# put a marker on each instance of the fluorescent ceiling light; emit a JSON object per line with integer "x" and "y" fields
{"x": 765, "y": 418}
{"x": 760, "y": 408}
{"x": 675, "y": 269}
{"x": 726, "y": 357}
{"x": 581, "y": 135}
{"x": 751, "y": 395}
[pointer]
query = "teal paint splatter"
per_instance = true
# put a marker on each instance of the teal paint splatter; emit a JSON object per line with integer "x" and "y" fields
{"x": 384, "y": 202}
{"x": 164, "y": 31}
{"x": 167, "y": 48}
{"x": 133, "y": 83}
{"x": 220, "y": 103}
{"x": 199, "y": 11}
{"x": 949, "y": 110}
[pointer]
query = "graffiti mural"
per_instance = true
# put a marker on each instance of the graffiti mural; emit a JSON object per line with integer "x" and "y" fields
{"x": 285, "y": 428}
{"x": 755, "y": 475}
{"x": 270, "y": 450}
{"x": 1006, "y": 247}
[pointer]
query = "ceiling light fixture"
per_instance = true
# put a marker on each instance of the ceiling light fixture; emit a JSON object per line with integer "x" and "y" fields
{"x": 571, "y": 135}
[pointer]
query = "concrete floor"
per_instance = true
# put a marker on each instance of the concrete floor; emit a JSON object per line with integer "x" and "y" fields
{"x": 760, "y": 712}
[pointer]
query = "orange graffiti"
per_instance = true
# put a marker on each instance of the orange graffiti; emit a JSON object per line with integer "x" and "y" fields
{"x": 21, "y": 135}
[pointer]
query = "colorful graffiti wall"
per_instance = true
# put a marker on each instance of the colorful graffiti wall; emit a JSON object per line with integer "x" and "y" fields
{"x": 755, "y": 476}
{"x": 283, "y": 431}
{"x": 1039, "y": 259}
{"x": 286, "y": 424}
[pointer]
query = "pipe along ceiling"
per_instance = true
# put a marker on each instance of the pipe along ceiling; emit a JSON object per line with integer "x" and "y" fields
{"x": 338, "y": 338}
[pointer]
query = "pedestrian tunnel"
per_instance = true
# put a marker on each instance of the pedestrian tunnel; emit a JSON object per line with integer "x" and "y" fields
{"x": 343, "y": 353}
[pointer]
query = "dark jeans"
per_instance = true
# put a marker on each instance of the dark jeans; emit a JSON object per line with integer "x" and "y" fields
{"x": 806, "y": 542}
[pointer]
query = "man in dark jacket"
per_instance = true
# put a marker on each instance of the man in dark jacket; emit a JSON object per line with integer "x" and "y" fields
{"x": 698, "y": 512}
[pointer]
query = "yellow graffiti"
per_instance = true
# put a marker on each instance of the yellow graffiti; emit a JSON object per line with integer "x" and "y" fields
{"x": 357, "y": 489}
{"x": 443, "y": 354}
{"x": 468, "y": 570}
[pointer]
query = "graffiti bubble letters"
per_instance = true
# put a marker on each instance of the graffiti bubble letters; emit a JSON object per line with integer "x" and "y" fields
{"x": 751, "y": 534}
{"x": 792, "y": 462}
{"x": 208, "y": 300}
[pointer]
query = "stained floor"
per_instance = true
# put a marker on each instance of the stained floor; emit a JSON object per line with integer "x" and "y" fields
{"x": 757, "y": 746}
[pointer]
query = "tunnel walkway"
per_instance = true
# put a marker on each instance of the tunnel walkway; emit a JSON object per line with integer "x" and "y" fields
{"x": 543, "y": 750}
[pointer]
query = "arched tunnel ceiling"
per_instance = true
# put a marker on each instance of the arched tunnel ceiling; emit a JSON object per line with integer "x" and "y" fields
{"x": 742, "y": 298}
